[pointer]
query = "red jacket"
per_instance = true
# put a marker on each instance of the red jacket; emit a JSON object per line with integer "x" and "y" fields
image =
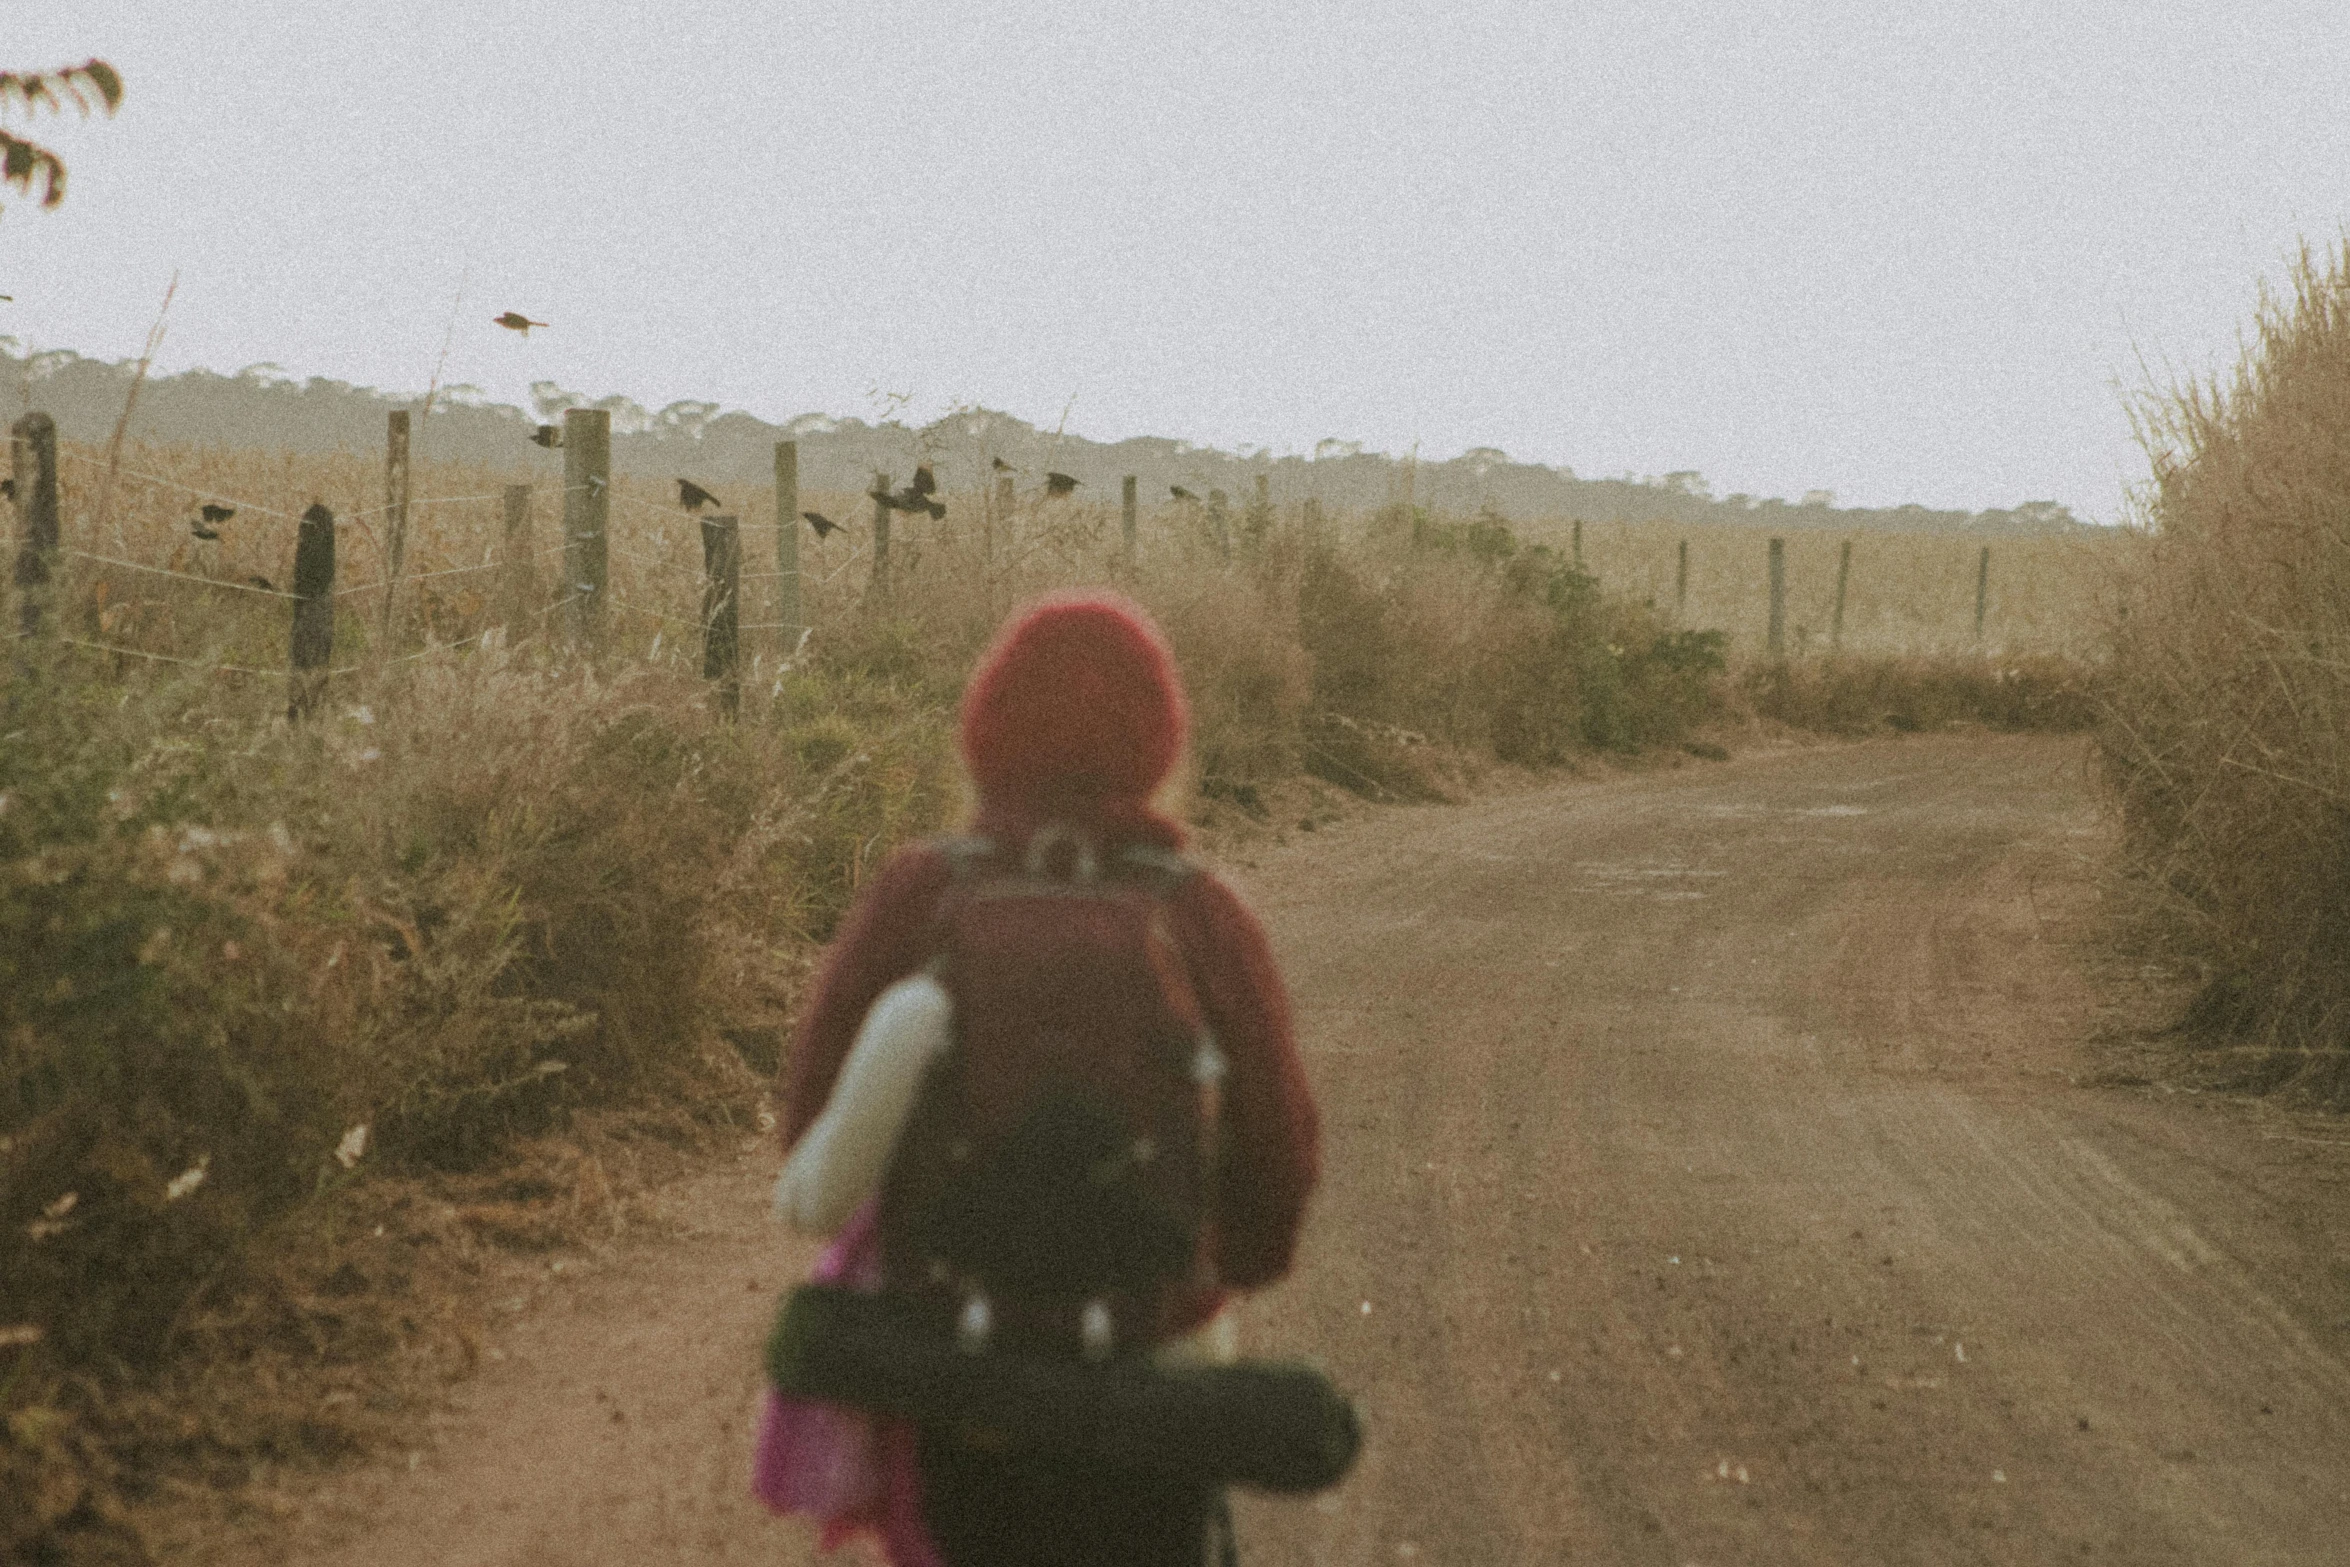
{"x": 1273, "y": 1151}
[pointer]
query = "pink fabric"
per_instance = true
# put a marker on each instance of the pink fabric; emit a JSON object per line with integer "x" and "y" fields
{"x": 850, "y": 1471}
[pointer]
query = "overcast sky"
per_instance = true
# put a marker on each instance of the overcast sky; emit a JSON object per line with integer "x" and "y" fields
{"x": 1907, "y": 252}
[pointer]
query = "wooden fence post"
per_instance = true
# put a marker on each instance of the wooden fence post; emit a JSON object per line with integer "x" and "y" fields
{"x": 1843, "y": 575}
{"x": 587, "y": 517}
{"x": 1578, "y": 544}
{"x": 722, "y": 590}
{"x": 1220, "y": 522}
{"x": 1776, "y": 641}
{"x": 1126, "y": 505}
{"x": 1982, "y": 590}
{"x": 395, "y": 513}
{"x": 33, "y": 455}
{"x": 519, "y": 576}
{"x": 314, "y": 613}
{"x": 787, "y": 547}
{"x": 1681, "y": 583}
{"x": 877, "y": 586}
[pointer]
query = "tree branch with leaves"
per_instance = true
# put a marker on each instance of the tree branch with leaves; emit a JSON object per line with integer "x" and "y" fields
{"x": 25, "y": 163}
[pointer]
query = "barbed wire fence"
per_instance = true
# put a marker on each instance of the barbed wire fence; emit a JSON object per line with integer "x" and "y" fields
{"x": 501, "y": 593}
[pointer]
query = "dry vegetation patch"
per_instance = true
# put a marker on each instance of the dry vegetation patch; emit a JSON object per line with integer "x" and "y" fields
{"x": 2228, "y": 741}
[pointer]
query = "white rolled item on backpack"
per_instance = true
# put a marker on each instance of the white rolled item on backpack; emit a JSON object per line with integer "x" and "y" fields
{"x": 839, "y": 1163}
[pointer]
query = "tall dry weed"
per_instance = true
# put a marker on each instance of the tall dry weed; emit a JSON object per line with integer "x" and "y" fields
{"x": 2228, "y": 742}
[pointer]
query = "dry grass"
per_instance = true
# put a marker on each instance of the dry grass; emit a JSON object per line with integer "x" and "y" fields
{"x": 2229, "y": 742}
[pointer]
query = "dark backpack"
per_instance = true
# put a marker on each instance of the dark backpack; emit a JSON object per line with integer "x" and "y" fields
{"x": 1053, "y": 1189}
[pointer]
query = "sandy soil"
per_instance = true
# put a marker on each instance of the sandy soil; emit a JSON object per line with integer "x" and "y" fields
{"x": 1716, "y": 1175}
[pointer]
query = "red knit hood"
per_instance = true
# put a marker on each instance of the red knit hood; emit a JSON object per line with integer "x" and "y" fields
{"x": 1076, "y": 707}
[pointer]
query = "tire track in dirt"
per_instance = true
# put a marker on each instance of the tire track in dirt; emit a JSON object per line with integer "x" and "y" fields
{"x": 1703, "y": 1145}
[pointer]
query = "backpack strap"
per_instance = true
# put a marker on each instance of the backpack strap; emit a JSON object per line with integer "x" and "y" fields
{"x": 971, "y": 855}
{"x": 1164, "y": 869}
{"x": 966, "y": 854}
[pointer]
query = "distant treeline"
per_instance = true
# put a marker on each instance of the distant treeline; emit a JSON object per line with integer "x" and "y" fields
{"x": 262, "y": 407}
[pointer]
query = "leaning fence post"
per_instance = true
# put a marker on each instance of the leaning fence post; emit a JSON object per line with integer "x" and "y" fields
{"x": 877, "y": 585}
{"x": 1578, "y": 544}
{"x": 587, "y": 516}
{"x": 395, "y": 512}
{"x": 1776, "y": 642}
{"x": 518, "y": 560}
{"x": 1126, "y": 504}
{"x": 722, "y": 592}
{"x": 787, "y": 546}
{"x": 1220, "y": 522}
{"x": 33, "y": 454}
{"x": 1681, "y": 583}
{"x": 314, "y": 613}
{"x": 1982, "y": 589}
{"x": 1843, "y": 575}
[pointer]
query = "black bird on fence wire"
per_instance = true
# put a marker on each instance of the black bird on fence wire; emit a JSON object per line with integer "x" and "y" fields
{"x": 217, "y": 513}
{"x": 1058, "y": 484}
{"x": 825, "y": 527}
{"x": 1001, "y": 466}
{"x": 208, "y": 525}
{"x": 263, "y": 583}
{"x": 924, "y": 481}
{"x": 693, "y": 497}
{"x": 1180, "y": 493}
{"x": 515, "y": 321}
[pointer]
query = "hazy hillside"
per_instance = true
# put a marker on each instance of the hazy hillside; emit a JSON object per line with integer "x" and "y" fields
{"x": 265, "y": 408}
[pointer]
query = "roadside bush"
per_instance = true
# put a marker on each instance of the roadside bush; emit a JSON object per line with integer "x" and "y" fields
{"x": 2227, "y": 742}
{"x": 1855, "y": 696}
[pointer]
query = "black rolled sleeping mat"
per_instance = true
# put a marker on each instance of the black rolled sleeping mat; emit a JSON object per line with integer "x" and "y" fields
{"x": 1271, "y": 1425}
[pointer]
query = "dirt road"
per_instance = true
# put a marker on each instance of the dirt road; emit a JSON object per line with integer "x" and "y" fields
{"x": 1708, "y": 1183}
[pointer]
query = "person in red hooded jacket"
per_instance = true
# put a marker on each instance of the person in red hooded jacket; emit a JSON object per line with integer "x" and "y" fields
{"x": 1075, "y": 717}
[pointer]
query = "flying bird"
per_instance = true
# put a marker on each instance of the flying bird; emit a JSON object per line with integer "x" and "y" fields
{"x": 202, "y": 532}
{"x": 516, "y": 321}
{"x": 1180, "y": 493}
{"x": 914, "y": 497}
{"x": 825, "y": 527}
{"x": 1058, "y": 484}
{"x": 693, "y": 497}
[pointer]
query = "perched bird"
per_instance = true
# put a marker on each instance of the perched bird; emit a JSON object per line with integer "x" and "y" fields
{"x": 693, "y": 497}
{"x": 1002, "y": 466}
{"x": 1058, "y": 484}
{"x": 516, "y": 321}
{"x": 548, "y": 435}
{"x": 924, "y": 483}
{"x": 202, "y": 532}
{"x": 1180, "y": 493}
{"x": 825, "y": 527}
{"x": 214, "y": 512}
